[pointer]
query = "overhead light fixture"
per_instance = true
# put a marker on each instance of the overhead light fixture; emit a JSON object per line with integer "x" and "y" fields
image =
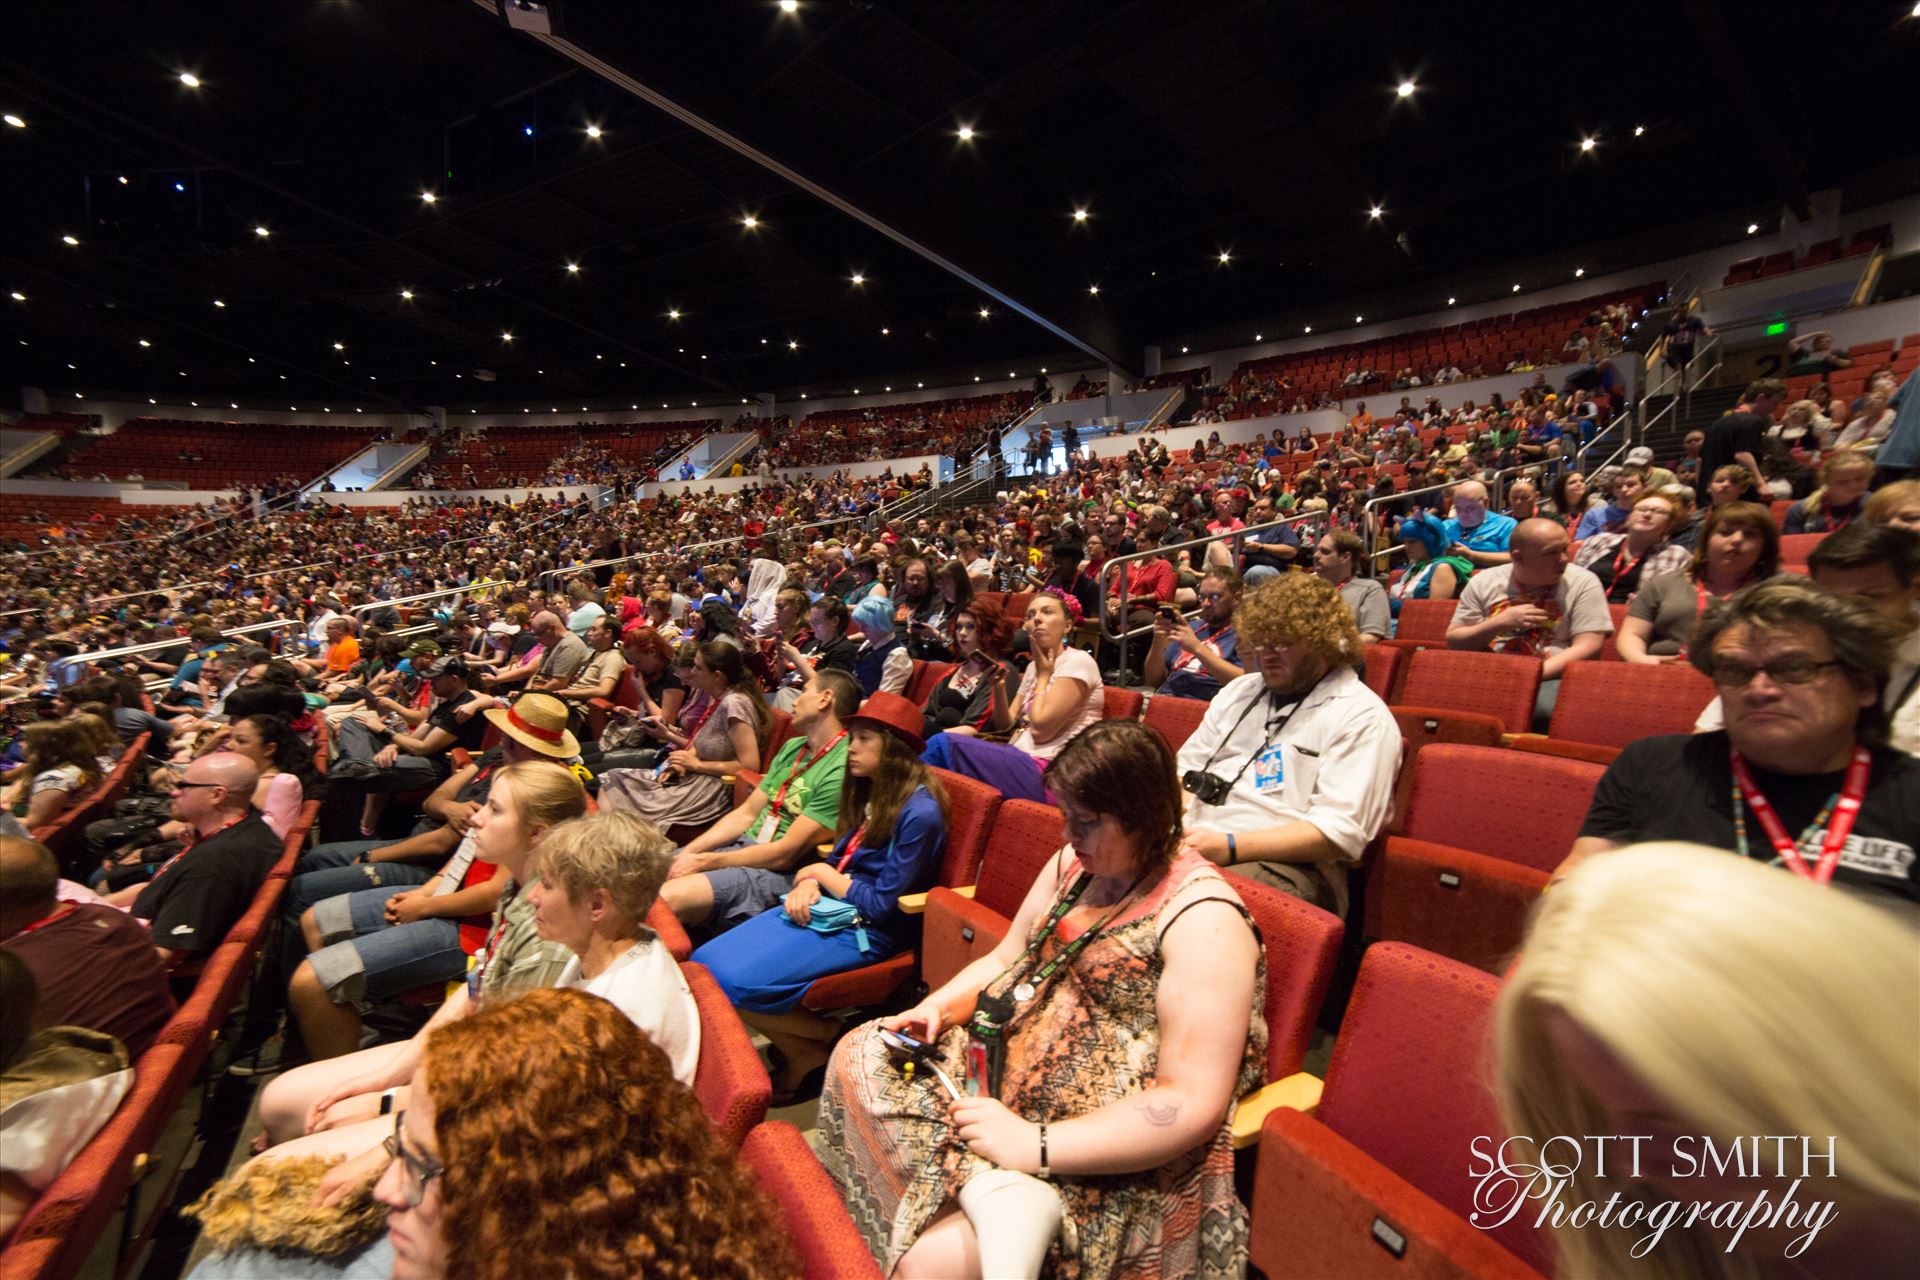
{"x": 789, "y": 6}
{"x": 976, "y": 377}
{"x": 262, "y": 232}
{"x": 1588, "y": 144}
{"x": 1225, "y": 257}
{"x": 793, "y": 345}
{"x": 1079, "y": 215}
{"x": 429, "y": 197}
{"x": 143, "y": 341}
{"x": 883, "y": 389}
{"x": 1094, "y": 289}
{"x": 1043, "y": 368}
{"x": 1012, "y": 374}
{"x": 1406, "y": 89}
{"x": 1578, "y": 272}
{"x": 966, "y": 133}
{"x": 593, "y": 131}
{"x": 339, "y": 346}
{"x": 1638, "y": 130}
{"x": 1516, "y": 288}
{"x": 189, "y": 79}
{"x": 750, "y": 222}
{"x": 15, "y": 122}
{"x": 983, "y": 313}
{"x": 573, "y": 268}
{"x": 803, "y": 395}
{"x": 673, "y": 313}
{"x": 1376, "y": 212}
{"x": 69, "y": 240}
{"x": 123, "y": 179}
{"x": 1259, "y": 337}
{"x": 18, "y": 296}
{"x": 1309, "y": 329}
{"x": 179, "y": 186}
{"x": 858, "y": 278}
{"x": 1358, "y": 319}
{"x": 1451, "y": 301}
{"x": 219, "y": 304}
{"x": 406, "y": 295}
{"x": 1183, "y": 351}
{"x": 1752, "y": 227}
{"x": 919, "y": 386}
{"x": 506, "y": 336}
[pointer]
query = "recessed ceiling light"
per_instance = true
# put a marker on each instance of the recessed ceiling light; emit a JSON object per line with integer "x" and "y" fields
{"x": 123, "y": 179}
{"x": 429, "y": 197}
{"x": 1406, "y": 89}
{"x": 966, "y": 133}
{"x": 1588, "y": 144}
{"x": 15, "y": 122}
{"x": 18, "y": 296}
{"x": 673, "y": 313}
{"x": 883, "y": 389}
{"x": 189, "y": 79}
{"x": 1309, "y": 329}
{"x": 339, "y": 346}
{"x": 179, "y": 186}
{"x": 573, "y": 268}
{"x": 1638, "y": 130}
{"x": 1183, "y": 351}
{"x": 886, "y": 332}
{"x": 858, "y": 278}
{"x": 143, "y": 341}
{"x": 1225, "y": 257}
{"x": 262, "y": 232}
{"x": 1578, "y": 272}
{"x": 1259, "y": 337}
{"x": 593, "y": 131}
{"x": 1752, "y": 227}
{"x": 983, "y": 313}
{"x": 220, "y": 304}
{"x": 976, "y": 377}
{"x": 506, "y": 336}
{"x": 750, "y": 222}
{"x": 69, "y": 240}
{"x": 803, "y": 395}
{"x": 1094, "y": 289}
{"x": 406, "y": 295}
{"x": 1376, "y": 211}
{"x": 920, "y": 386}
{"x": 789, "y": 6}
{"x": 793, "y": 345}
{"x": 1451, "y": 301}
{"x": 1079, "y": 215}
{"x": 1516, "y": 288}
{"x": 1358, "y": 319}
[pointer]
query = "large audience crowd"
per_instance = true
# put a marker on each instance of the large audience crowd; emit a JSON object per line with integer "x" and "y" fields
{"x": 542, "y": 722}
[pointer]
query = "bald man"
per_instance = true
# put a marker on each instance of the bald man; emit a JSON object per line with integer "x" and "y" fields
{"x": 193, "y": 900}
{"x": 95, "y": 966}
{"x": 1477, "y": 534}
{"x": 1538, "y": 604}
{"x": 566, "y": 653}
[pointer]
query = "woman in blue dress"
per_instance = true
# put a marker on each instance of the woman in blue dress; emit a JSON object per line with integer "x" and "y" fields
{"x": 893, "y": 816}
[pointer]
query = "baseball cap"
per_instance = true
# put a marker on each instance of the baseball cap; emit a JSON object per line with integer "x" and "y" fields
{"x": 423, "y": 649}
{"x": 450, "y": 665}
{"x": 1639, "y": 457}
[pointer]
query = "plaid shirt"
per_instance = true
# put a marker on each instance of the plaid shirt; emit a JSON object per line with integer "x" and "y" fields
{"x": 1607, "y": 551}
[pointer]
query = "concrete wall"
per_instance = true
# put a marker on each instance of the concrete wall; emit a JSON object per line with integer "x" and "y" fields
{"x": 942, "y": 473}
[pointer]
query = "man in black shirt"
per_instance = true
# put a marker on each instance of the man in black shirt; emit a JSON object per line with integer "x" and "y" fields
{"x": 192, "y": 901}
{"x": 409, "y": 761}
{"x": 1741, "y": 434}
{"x": 1800, "y": 672}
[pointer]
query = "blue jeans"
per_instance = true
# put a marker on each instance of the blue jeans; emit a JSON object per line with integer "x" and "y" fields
{"x": 338, "y": 853}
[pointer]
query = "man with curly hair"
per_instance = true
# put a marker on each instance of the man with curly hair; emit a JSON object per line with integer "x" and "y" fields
{"x": 1291, "y": 773}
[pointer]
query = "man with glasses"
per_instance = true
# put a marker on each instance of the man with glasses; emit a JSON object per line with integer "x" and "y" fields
{"x": 1801, "y": 777}
{"x": 1193, "y": 661}
{"x": 1475, "y": 533}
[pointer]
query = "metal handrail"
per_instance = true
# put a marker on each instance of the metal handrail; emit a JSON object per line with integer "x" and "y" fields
{"x": 1496, "y": 494}
{"x": 484, "y": 585}
{"x": 1109, "y": 569}
{"x": 156, "y": 646}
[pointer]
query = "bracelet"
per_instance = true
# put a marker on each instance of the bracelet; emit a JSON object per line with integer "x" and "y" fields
{"x": 1044, "y": 1172}
{"x": 1233, "y": 850}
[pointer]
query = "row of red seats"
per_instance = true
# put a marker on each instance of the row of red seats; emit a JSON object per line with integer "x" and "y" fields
{"x": 1759, "y": 267}
{"x": 230, "y": 452}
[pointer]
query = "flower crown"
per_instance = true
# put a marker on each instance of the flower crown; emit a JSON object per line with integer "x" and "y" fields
{"x": 1067, "y": 602}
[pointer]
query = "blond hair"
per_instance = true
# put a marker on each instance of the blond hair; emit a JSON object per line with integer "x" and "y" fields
{"x": 545, "y": 794}
{"x": 614, "y": 850}
{"x": 1302, "y": 609}
{"x": 1741, "y": 1017}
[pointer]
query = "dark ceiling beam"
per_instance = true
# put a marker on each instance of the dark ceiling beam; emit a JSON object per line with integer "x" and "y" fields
{"x": 1738, "y": 79}
{"x": 693, "y": 120}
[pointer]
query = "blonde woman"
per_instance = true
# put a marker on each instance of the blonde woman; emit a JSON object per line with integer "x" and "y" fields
{"x": 1790, "y": 1008}
{"x": 1896, "y": 503}
{"x": 1839, "y": 500}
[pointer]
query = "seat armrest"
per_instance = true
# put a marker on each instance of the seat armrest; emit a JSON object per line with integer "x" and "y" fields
{"x": 1299, "y": 1092}
{"x": 914, "y": 904}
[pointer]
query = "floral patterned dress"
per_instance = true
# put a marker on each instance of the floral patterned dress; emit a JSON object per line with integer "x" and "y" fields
{"x": 1090, "y": 1036}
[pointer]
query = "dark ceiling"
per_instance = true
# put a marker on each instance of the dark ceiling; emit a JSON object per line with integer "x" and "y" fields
{"x": 1185, "y": 128}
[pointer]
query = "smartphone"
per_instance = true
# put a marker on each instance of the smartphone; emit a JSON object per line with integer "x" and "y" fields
{"x": 901, "y": 1044}
{"x": 1168, "y": 612}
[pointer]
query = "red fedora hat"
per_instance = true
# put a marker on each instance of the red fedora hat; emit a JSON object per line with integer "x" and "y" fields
{"x": 894, "y": 714}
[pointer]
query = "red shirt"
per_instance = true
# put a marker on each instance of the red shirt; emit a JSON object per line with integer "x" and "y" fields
{"x": 1147, "y": 578}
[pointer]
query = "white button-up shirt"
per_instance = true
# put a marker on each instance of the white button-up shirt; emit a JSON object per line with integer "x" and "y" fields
{"x": 1340, "y": 754}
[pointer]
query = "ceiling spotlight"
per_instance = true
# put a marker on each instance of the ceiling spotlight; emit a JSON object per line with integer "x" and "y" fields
{"x": 920, "y": 386}
{"x": 1588, "y": 144}
{"x": 1578, "y": 272}
{"x": 1094, "y": 289}
{"x": 573, "y": 268}
{"x": 1516, "y": 288}
{"x": 1358, "y": 319}
{"x": 219, "y": 304}
{"x": 406, "y": 295}
{"x": 793, "y": 345}
{"x": 1309, "y": 329}
{"x": 69, "y": 240}
{"x": 976, "y": 377}
{"x": 883, "y": 389}
{"x": 673, "y": 313}
{"x": 1406, "y": 89}
{"x": 750, "y": 222}
{"x": 506, "y": 336}
{"x": 789, "y": 6}
{"x": 1376, "y": 212}
{"x": 123, "y": 179}
{"x": 1079, "y": 215}
{"x": 1752, "y": 227}
{"x": 1183, "y": 351}
{"x": 1259, "y": 337}
{"x": 339, "y": 346}
{"x": 858, "y": 278}
{"x": 179, "y": 186}
{"x": 429, "y": 197}
{"x": 856, "y": 391}
{"x": 1450, "y": 301}
{"x": 262, "y": 232}
{"x": 886, "y": 333}
{"x": 15, "y": 122}
{"x": 983, "y": 313}
{"x": 18, "y": 296}
{"x": 143, "y": 341}
{"x": 803, "y": 395}
{"x": 966, "y": 133}
{"x": 1225, "y": 257}
{"x": 593, "y": 131}
{"x": 189, "y": 79}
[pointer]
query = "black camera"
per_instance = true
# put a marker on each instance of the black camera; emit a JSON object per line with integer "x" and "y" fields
{"x": 1211, "y": 788}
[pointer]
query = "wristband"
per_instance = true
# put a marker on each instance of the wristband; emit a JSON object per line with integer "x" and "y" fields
{"x": 386, "y": 1103}
{"x": 1044, "y": 1172}
{"x": 1233, "y": 850}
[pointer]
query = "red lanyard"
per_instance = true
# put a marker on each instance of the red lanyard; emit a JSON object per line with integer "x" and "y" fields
{"x": 1843, "y": 809}
{"x": 1834, "y": 525}
{"x": 701, "y": 723}
{"x": 486, "y": 951}
{"x": 1189, "y": 658}
{"x": 801, "y": 764}
{"x": 193, "y": 839}
{"x": 853, "y": 848}
{"x": 1619, "y": 579}
{"x": 61, "y": 912}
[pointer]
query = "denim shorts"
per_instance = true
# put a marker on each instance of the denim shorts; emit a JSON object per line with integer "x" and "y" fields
{"x": 367, "y": 961}
{"x": 741, "y": 893}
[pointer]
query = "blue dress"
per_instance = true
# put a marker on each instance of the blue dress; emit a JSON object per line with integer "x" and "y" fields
{"x": 766, "y": 964}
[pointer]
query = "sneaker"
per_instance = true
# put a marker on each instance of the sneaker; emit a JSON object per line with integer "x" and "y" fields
{"x": 267, "y": 1060}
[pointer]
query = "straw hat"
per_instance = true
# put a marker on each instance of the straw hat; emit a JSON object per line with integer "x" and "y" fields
{"x": 537, "y": 722}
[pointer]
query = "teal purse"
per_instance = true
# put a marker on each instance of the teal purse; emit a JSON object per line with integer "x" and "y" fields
{"x": 832, "y": 915}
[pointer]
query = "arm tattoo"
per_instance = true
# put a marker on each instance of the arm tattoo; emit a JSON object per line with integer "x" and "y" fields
{"x": 1160, "y": 1114}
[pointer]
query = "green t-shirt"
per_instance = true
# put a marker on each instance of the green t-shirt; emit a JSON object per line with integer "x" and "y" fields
{"x": 815, "y": 792}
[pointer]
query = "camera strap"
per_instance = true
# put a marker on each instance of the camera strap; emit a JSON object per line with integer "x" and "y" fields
{"x": 1276, "y": 725}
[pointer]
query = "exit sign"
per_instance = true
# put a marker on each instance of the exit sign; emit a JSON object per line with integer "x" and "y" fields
{"x": 1777, "y": 328}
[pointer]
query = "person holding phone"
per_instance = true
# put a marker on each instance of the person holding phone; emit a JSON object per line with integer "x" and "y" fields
{"x": 1131, "y": 974}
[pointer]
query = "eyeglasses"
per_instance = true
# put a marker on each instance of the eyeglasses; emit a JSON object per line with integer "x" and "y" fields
{"x": 415, "y": 1171}
{"x": 1738, "y": 675}
{"x": 183, "y": 785}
